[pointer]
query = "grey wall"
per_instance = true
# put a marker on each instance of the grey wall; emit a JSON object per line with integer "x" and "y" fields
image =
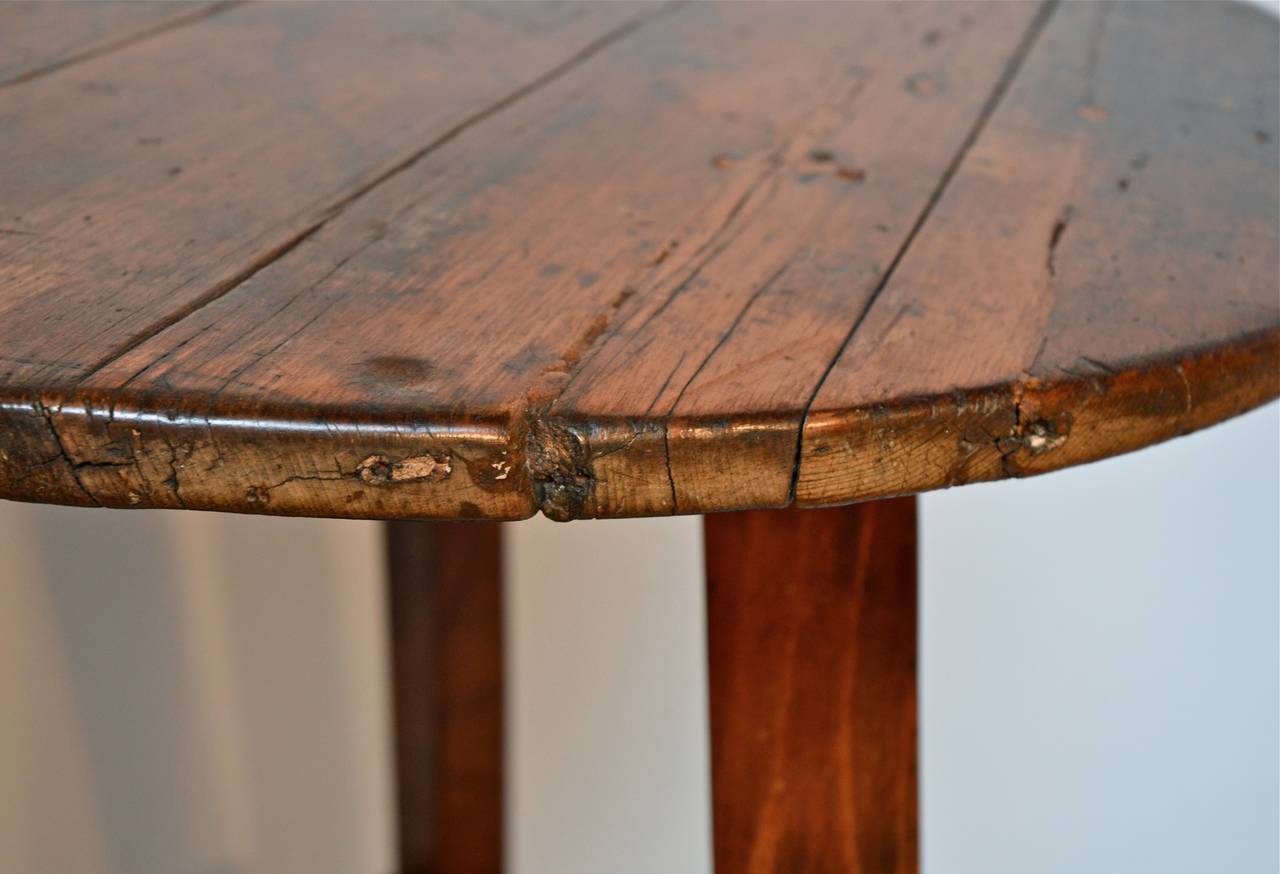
{"x": 1100, "y": 682}
{"x": 190, "y": 693}
{"x": 1101, "y": 685}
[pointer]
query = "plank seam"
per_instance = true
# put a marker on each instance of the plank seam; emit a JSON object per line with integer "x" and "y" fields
{"x": 1001, "y": 87}
{"x": 122, "y": 43}
{"x": 335, "y": 209}
{"x": 733, "y": 326}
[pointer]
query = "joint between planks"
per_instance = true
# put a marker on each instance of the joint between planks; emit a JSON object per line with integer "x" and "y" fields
{"x": 336, "y": 209}
{"x": 1001, "y": 87}
{"x": 122, "y": 43}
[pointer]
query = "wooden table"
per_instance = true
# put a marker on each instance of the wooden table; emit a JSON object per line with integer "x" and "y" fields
{"x": 481, "y": 261}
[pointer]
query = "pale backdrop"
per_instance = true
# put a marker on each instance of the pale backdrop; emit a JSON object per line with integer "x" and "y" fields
{"x": 196, "y": 693}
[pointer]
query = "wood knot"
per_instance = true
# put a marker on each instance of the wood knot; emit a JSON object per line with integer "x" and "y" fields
{"x": 559, "y": 468}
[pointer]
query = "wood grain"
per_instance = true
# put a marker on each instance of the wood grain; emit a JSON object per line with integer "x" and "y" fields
{"x": 172, "y": 170}
{"x": 648, "y": 260}
{"x": 445, "y": 600}
{"x": 811, "y": 628}
{"x": 37, "y": 38}
{"x": 1135, "y": 295}
{"x": 694, "y": 399}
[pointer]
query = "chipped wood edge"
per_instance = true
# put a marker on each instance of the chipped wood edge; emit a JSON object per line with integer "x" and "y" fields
{"x": 1029, "y": 427}
{"x": 313, "y": 463}
{"x": 68, "y": 451}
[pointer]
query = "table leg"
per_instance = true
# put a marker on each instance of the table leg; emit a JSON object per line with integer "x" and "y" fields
{"x": 445, "y": 599}
{"x": 812, "y": 659}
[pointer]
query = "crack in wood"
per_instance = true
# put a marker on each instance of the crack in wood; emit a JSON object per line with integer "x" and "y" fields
{"x": 1055, "y": 237}
{"x": 336, "y": 208}
{"x": 1000, "y": 88}
{"x": 44, "y": 411}
{"x": 124, "y": 42}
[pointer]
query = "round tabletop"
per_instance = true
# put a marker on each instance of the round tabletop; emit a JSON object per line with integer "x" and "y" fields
{"x": 477, "y": 261}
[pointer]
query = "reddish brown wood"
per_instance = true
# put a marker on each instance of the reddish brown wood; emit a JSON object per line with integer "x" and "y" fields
{"x": 811, "y": 629}
{"x": 445, "y": 598}
{"x": 1122, "y": 292}
{"x": 142, "y": 184}
{"x": 38, "y": 37}
{"x": 437, "y": 261}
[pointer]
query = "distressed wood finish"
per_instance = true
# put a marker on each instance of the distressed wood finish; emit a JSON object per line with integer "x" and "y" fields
{"x": 163, "y": 182}
{"x": 38, "y": 37}
{"x": 811, "y": 633}
{"x": 474, "y": 262}
{"x": 445, "y": 599}
{"x": 1135, "y": 291}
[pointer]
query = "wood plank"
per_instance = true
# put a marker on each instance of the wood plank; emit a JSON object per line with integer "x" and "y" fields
{"x": 445, "y": 600}
{"x": 712, "y": 371}
{"x": 139, "y": 185}
{"x": 39, "y": 37}
{"x": 598, "y": 198}
{"x": 203, "y": 173}
{"x": 1124, "y": 292}
{"x": 630, "y": 285}
{"x": 811, "y": 633}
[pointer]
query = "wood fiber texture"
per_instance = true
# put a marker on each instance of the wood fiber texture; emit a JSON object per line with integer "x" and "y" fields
{"x": 811, "y": 645}
{"x": 38, "y": 37}
{"x": 477, "y": 261}
{"x": 445, "y": 618}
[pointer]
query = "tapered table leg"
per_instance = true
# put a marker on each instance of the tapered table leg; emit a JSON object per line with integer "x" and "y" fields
{"x": 445, "y": 596}
{"x": 812, "y": 659}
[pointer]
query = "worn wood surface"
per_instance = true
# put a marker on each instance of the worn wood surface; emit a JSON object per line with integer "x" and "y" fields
{"x": 417, "y": 261}
{"x": 445, "y": 600}
{"x": 1125, "y": 290}
{"x": 38, "y": 37}
{"x": 811, "y": 634}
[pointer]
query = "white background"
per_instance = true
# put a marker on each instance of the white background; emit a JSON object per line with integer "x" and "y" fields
{"x": 1100, "y": 686}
